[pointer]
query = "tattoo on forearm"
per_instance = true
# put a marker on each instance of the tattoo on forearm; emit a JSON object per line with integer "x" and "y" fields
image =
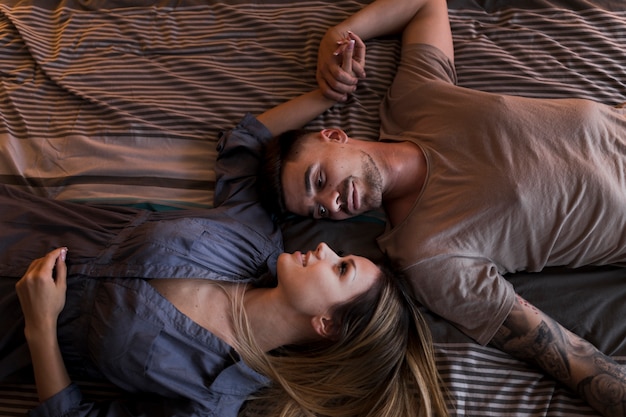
{"x": 569, "y": 358}
{"x": 541, "y": 345}
{"x": 606, "y": 392}
{"x": 549, "y": 354}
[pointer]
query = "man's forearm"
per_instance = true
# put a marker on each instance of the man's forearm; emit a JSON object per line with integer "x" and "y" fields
{"x": 530, "y": 335}
{"x": 382, "y": 17}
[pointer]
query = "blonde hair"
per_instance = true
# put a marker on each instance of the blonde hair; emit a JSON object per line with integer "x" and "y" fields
{"x": 380, "y": 364}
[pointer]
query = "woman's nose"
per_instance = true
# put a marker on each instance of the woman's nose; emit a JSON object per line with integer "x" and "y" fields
{"x": 324, "y": 251}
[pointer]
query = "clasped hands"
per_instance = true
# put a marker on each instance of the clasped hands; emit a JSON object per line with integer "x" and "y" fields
{"x": 340, "y": 64}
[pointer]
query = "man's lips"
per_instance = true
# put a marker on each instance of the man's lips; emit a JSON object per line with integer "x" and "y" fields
{"x": 356, "y": 202}
{"x": 352, "y": 198}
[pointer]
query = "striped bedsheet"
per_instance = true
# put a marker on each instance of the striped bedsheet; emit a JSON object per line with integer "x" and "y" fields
{"x": 122, "y": 102}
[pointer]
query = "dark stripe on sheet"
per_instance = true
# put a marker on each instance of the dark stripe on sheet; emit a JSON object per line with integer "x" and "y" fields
{"x": 492, "y": 6}
{"x": 85, "y": 179}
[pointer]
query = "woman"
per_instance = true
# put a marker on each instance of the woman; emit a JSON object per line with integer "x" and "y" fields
{"x": 331, "y": 314}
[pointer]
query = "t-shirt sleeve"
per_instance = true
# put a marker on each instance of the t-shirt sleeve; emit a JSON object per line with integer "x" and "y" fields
{"x": 468, "y": 292}
{"x": 422, "y": 72}
{"x": 422, "y": 62}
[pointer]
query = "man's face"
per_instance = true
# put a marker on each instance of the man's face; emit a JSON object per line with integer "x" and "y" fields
{"x": 331, "y": 177}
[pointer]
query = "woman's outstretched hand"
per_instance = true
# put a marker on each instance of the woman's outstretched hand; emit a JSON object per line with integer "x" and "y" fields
{"x": 41, "y": 291}
{"x": 340, "y": 64}
{"x": 42, "y": 295}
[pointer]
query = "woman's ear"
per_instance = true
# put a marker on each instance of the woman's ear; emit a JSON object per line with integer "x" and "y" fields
{"x": 335, "y": 134}
{"x": 324, "y": 326}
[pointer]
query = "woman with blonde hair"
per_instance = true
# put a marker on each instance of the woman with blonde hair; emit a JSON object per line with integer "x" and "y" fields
{"x": 337, "y": 336}
{"x": 378, "y": 362}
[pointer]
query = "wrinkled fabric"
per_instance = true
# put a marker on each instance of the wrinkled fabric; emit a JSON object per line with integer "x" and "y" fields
{"x": 115, "y": 325}
{"x": 236, "y": 240}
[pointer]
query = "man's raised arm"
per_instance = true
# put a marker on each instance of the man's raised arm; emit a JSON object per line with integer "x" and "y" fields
{"x": 419, "y": 21}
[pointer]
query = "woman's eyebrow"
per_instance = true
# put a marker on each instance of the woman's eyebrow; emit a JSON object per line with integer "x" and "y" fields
{"x": 351, "y": 262}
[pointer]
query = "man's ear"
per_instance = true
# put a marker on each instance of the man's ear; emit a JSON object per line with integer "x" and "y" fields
{"x": 335, "y": 134}
{"x": 324, "y": 326}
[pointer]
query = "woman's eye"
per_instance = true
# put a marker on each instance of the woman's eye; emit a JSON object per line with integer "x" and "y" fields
{"x": 323, "y": 211}
{"x": 343, "y": 268}
{"x": 319, "y": 182}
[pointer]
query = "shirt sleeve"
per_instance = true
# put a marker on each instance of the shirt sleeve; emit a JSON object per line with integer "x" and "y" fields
{"x": 239, "y": 155}
{"x": 423, "y": 72}
{"x": 469, "y": 292}
{"x": 70, "y": 402}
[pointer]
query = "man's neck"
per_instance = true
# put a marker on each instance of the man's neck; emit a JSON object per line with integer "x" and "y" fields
{"x": 406, "y": 175}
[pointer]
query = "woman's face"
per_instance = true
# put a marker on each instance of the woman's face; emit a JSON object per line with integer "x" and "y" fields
{"x": 316, "y": 281}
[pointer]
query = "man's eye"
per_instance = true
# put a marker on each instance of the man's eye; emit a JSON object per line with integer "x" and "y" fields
{"x": 323, "y": 212}
{"x": 343, "y": 268}
{"x": 319, "y": 182}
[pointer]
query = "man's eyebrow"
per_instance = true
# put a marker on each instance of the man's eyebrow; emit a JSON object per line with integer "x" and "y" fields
{"x": 307, "y": 187}
{"x": 307, "y": 180}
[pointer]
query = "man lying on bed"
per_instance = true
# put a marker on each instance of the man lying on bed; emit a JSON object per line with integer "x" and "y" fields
{"x": 474, "y": 185}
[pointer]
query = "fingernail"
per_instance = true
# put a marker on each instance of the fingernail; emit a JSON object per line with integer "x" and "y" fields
{"x": 63, "y": 254}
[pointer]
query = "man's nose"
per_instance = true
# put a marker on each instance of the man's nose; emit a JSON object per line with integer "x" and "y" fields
{"x": 331, "y": 200}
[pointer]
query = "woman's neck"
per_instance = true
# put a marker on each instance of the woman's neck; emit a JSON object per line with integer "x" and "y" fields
{"x": 210, "y": 304}
{"x": 274, "y": 324}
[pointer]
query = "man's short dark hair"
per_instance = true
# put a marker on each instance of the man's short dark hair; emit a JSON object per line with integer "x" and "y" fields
{"x": 279, "y": 150}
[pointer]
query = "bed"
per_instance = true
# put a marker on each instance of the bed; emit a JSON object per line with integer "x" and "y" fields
{"x": 121, "y": 102}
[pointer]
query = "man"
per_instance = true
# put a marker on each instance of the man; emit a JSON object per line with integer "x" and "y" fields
{"x": 474, "y": 185}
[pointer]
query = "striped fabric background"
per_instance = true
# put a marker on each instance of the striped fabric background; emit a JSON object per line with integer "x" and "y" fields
{"x": 487, "y": 382}
{"x": 549, "y": 52}
{"x": 123, "y": 104}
